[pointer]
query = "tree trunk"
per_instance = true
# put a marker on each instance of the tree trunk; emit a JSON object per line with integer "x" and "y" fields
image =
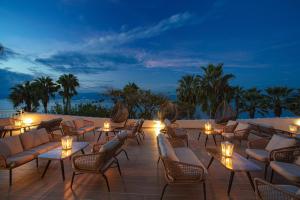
{"x": 45, "y": 104}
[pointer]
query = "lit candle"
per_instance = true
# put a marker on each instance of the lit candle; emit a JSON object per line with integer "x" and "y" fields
{"x": 27, "y": 121}
{"x": 227, "y": 149}
{"x": 106, "y": 125}
{"x": 66, "y": 142}
{"x": 158, "y": 125}
{"x": 208, "y": 126}
{"x": 293, "y": 128}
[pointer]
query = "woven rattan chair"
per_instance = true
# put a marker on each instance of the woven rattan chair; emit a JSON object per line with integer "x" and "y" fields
{"x": 263, "y": 149}
{"x": 72, "y": 128}
{"x": 182, "y": 168}
{"x": 174, "y": 132}
{"x": 51, "y": 125}
{"x": 99, "y": 162}
{"x": 240, "y": 133}
{"x": 286, "y": 162}
{"x": 267, "y": 191}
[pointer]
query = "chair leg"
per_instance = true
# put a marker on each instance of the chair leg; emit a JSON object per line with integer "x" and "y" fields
{"x": 163, "y": 192}
{"x": 106, "y": 180}
{"x": 247, "y": 156}
{"x": 158, "y": 160}
{"x": 137, "y": 140}
{"x": 73, "y": 176}
{"x": 204, "y": 189}
{"x": 272, "y": 174}
{"x": 10, "y": 177}
{"x": 37, "y": 163}
{"x": 266, "y": 171}
{"x": 118, "y": 165}
{"x": 123, "y": 150}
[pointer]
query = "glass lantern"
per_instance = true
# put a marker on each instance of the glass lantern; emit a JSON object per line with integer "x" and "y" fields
{"x": 66, "y": 142}
{"x": 227, "y": 149}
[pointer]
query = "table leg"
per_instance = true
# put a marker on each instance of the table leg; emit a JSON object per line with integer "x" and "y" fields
{"x": 46, "y": 168}
{"x": 10, "y": 132}
{"x": 206, "y": 140}
{"x": 230, "y": 182}
{"x": 62, "y": 169}
{"x": 214, "y": 137}
{"x": 250, "y": 180}
{"x": 99, "y": 136}
{"x": 82, "y": 151}
{"x": 199, "y": 135}
{"x": 107, "y": 136}
{"x": 210, "y": 162}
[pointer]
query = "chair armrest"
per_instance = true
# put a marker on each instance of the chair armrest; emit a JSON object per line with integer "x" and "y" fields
{"x": 228, "y": 128}
{"x": 287, "y": 154}
{"x": 266, "y": 190}
{"x": 96, "y": 147}
{"x": 88, "y": 123}
{"x": 183, "y": 171}
{"x": 258, "y": 144}
{"x": 87, "y": 162}
{"x": 3, "y": 163}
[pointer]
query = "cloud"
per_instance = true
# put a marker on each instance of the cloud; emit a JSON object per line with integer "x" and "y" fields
{"x": 142, "y": 32}
{"x": 6, "y": 53}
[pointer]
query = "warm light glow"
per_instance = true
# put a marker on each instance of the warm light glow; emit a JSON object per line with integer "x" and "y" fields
{"x": 227, "y": 162}
{"x": 106, "y": 125}
{"x": 66, "y": 142}
{"x": 158, "y": 125}
{"x": 297, "y": 122}
{"x": 27, "y": 121}
{"x": 227, "y": 149}
{"x": 293, "y": 128}
{"x": 18, "y": 123}
{"x": 207, "y": 126}
{"x": 66, "y": 153}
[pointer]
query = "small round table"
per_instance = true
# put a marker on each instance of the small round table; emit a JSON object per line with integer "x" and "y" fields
{"x": 213, "y": 133}
{"x": 106, "y": 131}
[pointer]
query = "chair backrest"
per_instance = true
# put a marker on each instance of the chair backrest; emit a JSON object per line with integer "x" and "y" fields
{"x": 109, "y": 149}
{"x": 68, "y": 127}
{"x": 141, "y": 122}
{"x": 51, "y": 125}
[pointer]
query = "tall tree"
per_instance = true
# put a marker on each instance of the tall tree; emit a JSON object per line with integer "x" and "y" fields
{"x": 46, "y": 89}
{"x": 214, "y": 88}
{"x": 68, "y": 84}
{"x": 187, "y": 94}
{"x": 25, "y": 93}
{"x": 237, "y": 95}
{"x": 254, "y": 102}
{"x": 278, "y": 99}
{"x": 294, "y": 102}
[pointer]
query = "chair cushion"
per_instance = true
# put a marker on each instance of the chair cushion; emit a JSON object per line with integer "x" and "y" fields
{"x": 289, "y": 171}
{"x": 69, "y": 123}
{"x": 241, "y": 126}
{"x": 258, "y": 154}
{"x": 10, "y": 146}
{"x": 166, "y": 149}
{"x": 122, "y": 135}
{"x": 228, "y": 135}
{"x": 79, "y": 123}
{"x": 167, "y": 122}
{"x": 278, "y": 141}
{"x": 34, "y": 138}
{"x": 264, "y": 190}
{"x": 20, "y": 158}
{"x": 179, "y": 132}
{"x": 231, "y": 123}
{"x": 110, "y": 145}
{"x": 44, "y": 148}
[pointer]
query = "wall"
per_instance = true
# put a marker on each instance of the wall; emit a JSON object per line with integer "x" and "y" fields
{"x": 279, "y": 123}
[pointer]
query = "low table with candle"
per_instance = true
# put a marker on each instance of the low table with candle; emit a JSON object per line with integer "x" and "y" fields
{"x": 60, "y": 154}
{"x": 207, "y": 133}
{"x": 235, "y": 163}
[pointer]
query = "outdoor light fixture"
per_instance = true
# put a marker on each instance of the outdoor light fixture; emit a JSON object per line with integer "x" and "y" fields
{"x": 66, "y": 153}
{"x": 106, "y": 125}
{"x": 227, "y": 149}
{"x": 18, "y": 123}
{"x": 293, "y": 128}
{"x": 227, "y": 162}
{"x": 158, "y": 125}
{"x": 66, "y": 142}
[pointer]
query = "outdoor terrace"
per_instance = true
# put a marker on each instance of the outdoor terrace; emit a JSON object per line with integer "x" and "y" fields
{"x": 141, "y": 177}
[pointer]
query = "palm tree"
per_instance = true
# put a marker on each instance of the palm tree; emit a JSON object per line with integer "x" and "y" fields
{"x": 278, "y": 98}
{"x": 237, "y": 96}
{"x": 68, "y": 84}
{"x": 46, "y": 89}
{"x": 25, "y": 94}
{"x": 293, "y": 102}
{"x": 187, "y": 93}
{"x": 131, "y": 97}
{"x": 254, "y": 102}
{"x": 214, "y": 88}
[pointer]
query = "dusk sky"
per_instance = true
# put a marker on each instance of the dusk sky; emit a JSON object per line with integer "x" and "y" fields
{"x": 108, "y": 43}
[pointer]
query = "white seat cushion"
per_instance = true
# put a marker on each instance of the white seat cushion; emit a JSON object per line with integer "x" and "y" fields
{"x": 278, "y": 141}
{"x": 231, "y": 123}
{"x": 258, "y": 154}
{"x": 289, "y": 171}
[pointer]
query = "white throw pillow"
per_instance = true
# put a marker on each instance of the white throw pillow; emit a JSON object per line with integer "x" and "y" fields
{"x": 278, "y": 141}
{"x": 242, "y": 126}
{"x": 231, "y": 123}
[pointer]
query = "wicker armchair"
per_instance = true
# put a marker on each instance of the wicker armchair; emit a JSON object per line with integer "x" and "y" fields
{"x": 99, "y": 162}
{"x": 134, "y": 132}
{"x": 267, "y": 191}
{"x": 286, "y": 162}
{"x": 77, "y": 127}
{"x": 51, "y": 125}
{"x": 263, "y": 149}
{"x": 240, "y": 132}
{"x": 2, "y": 132}
{"x": 174, "y": 132}
{"x": 181, "y": 165}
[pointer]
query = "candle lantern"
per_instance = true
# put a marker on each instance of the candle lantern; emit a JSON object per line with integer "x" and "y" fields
{"x": 227, "y": 162}
{"x": 208, "y": 126}
{"x": 66, "y": 142}
{"x": 27, "y": 121}
{"x": 18, "y": 122}
{"x": 293, "y": 128}
{"x": 227, "y": 149}
{"x": 106, "y": 125}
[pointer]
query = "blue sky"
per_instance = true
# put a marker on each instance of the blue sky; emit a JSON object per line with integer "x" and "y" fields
{"x": 108, "y": 43}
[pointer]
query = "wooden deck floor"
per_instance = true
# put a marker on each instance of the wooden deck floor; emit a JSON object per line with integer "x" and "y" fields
{"x": 142, "y": 178}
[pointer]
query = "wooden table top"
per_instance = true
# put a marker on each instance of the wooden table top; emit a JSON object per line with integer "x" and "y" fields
{"x": 235, "y": 163}
{"x": 60, "y": 154}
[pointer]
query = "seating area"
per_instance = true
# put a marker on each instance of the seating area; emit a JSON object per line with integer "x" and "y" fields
{"x": 135, "y": 162}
